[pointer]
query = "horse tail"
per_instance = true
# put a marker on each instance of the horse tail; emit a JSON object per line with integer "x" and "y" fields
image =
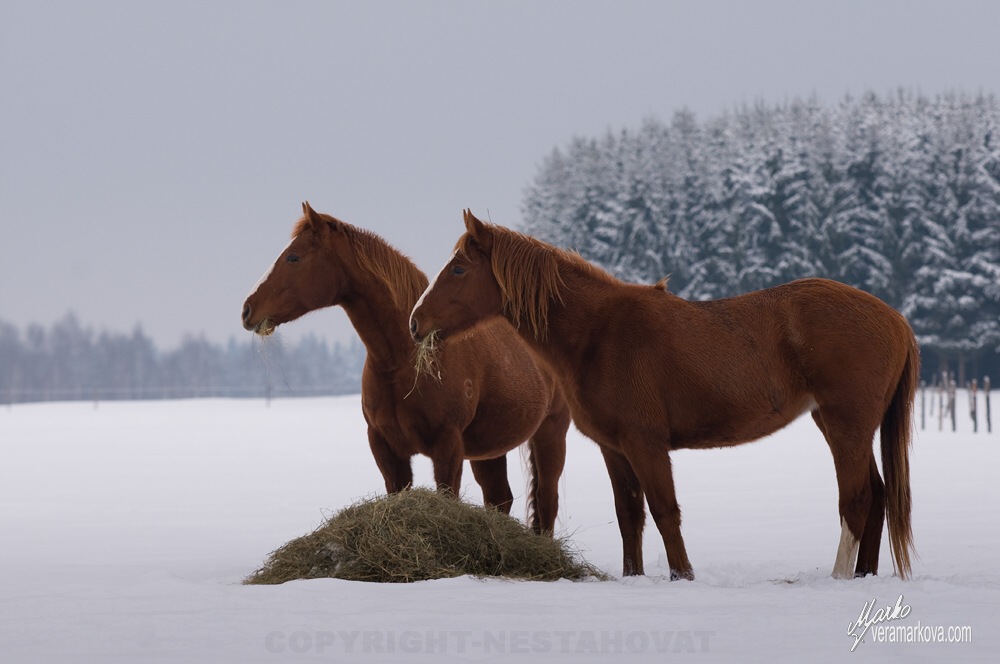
{"x": 531, "y": 507}
{"x": 895, "y": 434}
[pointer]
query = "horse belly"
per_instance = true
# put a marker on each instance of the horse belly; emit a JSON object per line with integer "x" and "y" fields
{"x": 735, "y": 427}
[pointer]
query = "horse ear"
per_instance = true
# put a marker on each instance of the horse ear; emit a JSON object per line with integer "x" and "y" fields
{"x": 310, "y": 215}
{"x": 317, "y": 223}
{"x": 477, "y": 230}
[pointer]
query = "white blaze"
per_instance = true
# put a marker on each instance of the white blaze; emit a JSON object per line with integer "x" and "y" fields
{"x": 267, "y": 273}
{"x": 431, "y": 284}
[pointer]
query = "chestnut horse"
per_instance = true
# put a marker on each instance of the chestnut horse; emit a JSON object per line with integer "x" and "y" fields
{"x": 487, "y": 395}
{"x": 646, "y": 372}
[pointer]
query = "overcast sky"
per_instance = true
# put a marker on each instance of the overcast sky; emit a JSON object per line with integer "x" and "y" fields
{"x": 154, "y": 155}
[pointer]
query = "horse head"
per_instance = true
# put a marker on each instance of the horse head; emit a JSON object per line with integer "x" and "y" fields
{"x": 466, "y": 290}
{"x": 303, "y": 278}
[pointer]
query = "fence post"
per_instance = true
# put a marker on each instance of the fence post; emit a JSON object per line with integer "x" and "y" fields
{"x": 923, "y": 405}
{"x": 944, "y": 381}
{"x": 986, "y": 389}
{"x": 951, "y": 404}
{"x": 973, "y": 388}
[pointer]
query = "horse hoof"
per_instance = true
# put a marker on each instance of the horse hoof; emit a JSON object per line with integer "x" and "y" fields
{"x": 686, "y": 575}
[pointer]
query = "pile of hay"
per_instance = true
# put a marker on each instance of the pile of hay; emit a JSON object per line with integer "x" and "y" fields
{"x": 421, "y": 534}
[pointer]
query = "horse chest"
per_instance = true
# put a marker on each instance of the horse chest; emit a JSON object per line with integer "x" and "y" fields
{"x": 393, "y": 423}
{"x": 411, "y": 422}
{"x": 594, "y": 420}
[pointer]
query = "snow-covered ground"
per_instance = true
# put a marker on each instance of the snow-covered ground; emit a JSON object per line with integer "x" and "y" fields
{"x": 127, "y": 527}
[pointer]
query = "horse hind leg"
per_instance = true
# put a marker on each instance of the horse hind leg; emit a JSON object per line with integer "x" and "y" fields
{"x": 491, "y": 475}
{"x": 871, "y": 540}
{"x": 547, "y": 457}
{"x": 851, "y": 447}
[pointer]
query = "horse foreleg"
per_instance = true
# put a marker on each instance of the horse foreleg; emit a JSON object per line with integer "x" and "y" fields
{"x": 396, "y": 471}
{"x": 630, "y": 508}
{"x": 653, "y": 468}
{"x": 491, "y": 474}
{"x": 448, "y": 456}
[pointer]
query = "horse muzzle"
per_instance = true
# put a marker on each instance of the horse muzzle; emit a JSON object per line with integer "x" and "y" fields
{"x": 414, "y": 330}
{"x": 247, "y": 313}
{"x": 264, "y": 327}
{"x": 420, "y": 334}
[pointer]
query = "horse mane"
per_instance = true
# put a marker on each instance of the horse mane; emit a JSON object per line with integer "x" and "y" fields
{"x": 395, "y": 271}
{"x": 529, "y": 273}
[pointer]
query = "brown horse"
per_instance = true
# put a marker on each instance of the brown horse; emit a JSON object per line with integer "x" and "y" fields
{"x": 646, "y": 372}
{"x": 486, "y": 397}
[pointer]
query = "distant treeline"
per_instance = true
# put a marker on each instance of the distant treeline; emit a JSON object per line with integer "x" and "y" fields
{"x": 898, "y": 195}
{"x": 70, "y": 362}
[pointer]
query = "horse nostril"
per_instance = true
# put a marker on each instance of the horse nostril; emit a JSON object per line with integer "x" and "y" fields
{"x": 246, "y": 312}
{"x": 413, "y": 328}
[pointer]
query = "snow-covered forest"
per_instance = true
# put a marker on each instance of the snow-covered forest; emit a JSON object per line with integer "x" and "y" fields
{"x": 898, "y": 195}
{"x": 69, "y": 361}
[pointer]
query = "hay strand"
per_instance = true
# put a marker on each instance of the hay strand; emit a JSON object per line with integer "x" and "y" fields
{"x": 426, "y": 360}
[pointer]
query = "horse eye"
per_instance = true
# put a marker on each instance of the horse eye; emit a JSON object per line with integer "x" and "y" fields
{"x": 458, "y": 269}
{"x": 292, "y": 258}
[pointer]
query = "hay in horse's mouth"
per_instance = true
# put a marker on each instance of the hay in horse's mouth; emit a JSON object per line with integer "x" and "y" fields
{"x": 426, "y": 359}
{"x": 265, "y": 328}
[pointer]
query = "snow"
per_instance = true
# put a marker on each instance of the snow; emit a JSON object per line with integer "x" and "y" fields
{"x": 128, "y": 526}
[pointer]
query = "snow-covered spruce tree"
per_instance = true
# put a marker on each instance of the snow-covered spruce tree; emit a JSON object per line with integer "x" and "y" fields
{"x": 896, "y": 194}
{"x": 954, "y": 304}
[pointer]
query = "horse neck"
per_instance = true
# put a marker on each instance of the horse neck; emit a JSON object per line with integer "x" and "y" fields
{"x": 381, "y": 323}
{"x": 583, "y": 299}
